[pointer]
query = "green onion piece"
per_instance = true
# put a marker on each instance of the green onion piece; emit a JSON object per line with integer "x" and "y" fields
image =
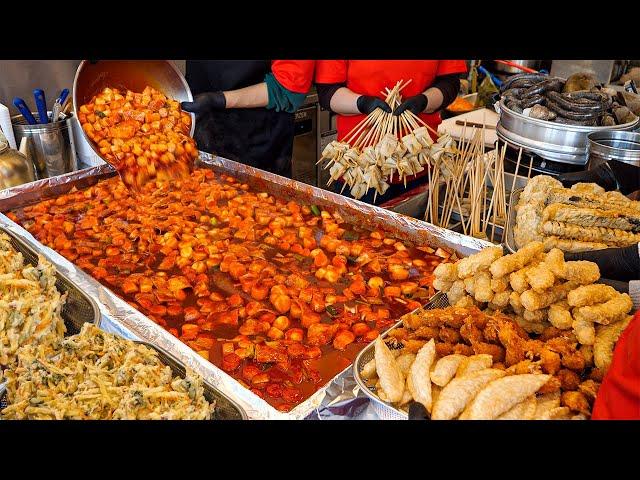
{"x": 332, "y": 311}
{"x": 213, "y": 221}
{"x": 315, "y": 210}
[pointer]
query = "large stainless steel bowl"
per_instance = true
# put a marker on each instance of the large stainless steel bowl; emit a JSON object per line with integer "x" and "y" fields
{"x": 550, "y": 140}
{"x": 134, "y": 75}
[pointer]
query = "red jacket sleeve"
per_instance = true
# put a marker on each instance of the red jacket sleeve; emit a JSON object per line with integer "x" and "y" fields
{"x": 294, "y": 75}
{"x": 619, "y": 395}
{"x": 447, "y": 67}
{"x": 331, "y": 71}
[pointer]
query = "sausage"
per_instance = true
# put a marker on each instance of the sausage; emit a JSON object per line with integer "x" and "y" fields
{"x": 552, "y": 84}
{"x": 513, "y": 92}
{"x": 532, "y": 100}
{"x": 567, "y": 121}
{"x": 574, "y": 106}
{"x": 571, "y": 115}
{"x": 513, "y": 104}
{"x": 529, "y": 77}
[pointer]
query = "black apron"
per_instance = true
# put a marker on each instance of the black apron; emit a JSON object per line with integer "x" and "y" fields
{"x": 257, "y": 137}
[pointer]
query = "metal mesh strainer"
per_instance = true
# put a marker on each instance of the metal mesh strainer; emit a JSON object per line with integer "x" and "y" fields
{"x": 385, "y": 410}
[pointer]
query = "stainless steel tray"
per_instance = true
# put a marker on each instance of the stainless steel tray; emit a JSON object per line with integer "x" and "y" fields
{"x": 509, "y": 239}
{"x": 79, "y": 308}
{"x": 369, "y": 216}
{"x": 386, "y": 410}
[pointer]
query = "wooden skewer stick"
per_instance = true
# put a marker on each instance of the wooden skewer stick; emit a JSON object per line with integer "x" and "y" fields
{"x": 515, "y": 174}
{"x": 422, "y": 121}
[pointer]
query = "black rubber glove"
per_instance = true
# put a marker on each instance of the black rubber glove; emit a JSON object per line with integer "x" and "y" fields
{"x": 205, "y": 102}
{"x": 367, "y": 104}
{"x": 415, "y": 104}
{"x": 601, "y": 175}
{"x": 615, "y": 263}
{"x": 418, "y": 412}
{"x": 622, "y": 287}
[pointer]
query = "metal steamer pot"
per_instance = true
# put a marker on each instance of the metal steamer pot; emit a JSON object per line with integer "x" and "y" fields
{"x": 550, "y": 140}
{"x": 614, "y": 145}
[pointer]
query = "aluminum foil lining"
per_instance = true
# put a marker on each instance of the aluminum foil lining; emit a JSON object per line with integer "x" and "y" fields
{"x": 339, "y": 397}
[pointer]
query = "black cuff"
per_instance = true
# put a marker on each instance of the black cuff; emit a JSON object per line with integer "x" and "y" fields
{"x": 449, "y": 85}
{"x": 326, "y": 91}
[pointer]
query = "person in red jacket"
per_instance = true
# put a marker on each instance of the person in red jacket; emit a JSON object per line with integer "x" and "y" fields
{"x": 619, "y": 395}
{"x": 352, "y": 89}
{"x": 245, "y": 108}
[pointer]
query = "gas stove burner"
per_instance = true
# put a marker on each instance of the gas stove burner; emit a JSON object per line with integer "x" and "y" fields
{"x": 539, "y": 165}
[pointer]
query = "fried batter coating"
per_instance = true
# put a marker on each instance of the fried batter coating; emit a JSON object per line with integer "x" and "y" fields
{"x": 589, "y": 388}
{"x": 576, "y": 401}
{"x": 518, "y": 280}
{"x": 524, "y": 410}
{"x": 535, "y": 301}
{"x": 470, "y": 331}
{"x": 449, "y": 335}
{"x": 587, "y": 353}
{"x": 455, "y": 396}
{"x": 590, "y": 295}
{"x": 391, "y": 378}
{"x": 369, "y": 370}
{"x": 527, "y": 227}
{"x": 537, "y": 316}
{"x": 473, "y": 363}
{"x": 445, "y": 369}
{"x": 444, "y": 349}
{"x": 463, "y": 349}
{"x": 466, "y": 302}
{"x": 399, "y": 333}
{"x": 569, "y": 380}
{"x": 483, "y": 292}
{"x": 596, "y": 375}
{"x": 549, "y": 333}
{"x": 516, "y": 303}
{"x": 499, "y": 285}
{"x": 469, "y": 266}
{"x": 405, "y": 361}
{"x": 413, "y": 346}
{"x": 456, "y": 292}
{"x": 610, "y": 236}
{"x": 513, "y": 343}
{"x": 540, "y": 278}
{"x": 538, "y": 188}
{"x": 420, "y": 385}
{"x": 531, "y": 327}
{"x": 453, "y": 321}
{"x": 545, "y": 403}
{"x": 501, "y": 300}
{"x": 552, "y": 386}
{"x": 574, "y": 361}
{"x": 496, "y": 351}
{"x": 581, "y": 272}
{"x": 515, "y": 261}
{"x": 426, "y": 333}
{"x": 606, "y": 338}
{"x": 470, "y": 285}
{"x": 447, "y": 272}
{"x": 442, "y": 285}
{"x": 502, "y": 394}
{"x": 585, "y": 331}
{"x": 567, "y": 245}
{"x": 525, "y": 366}
{"x": 607, "y": 312}
{"x": 549, "y": 361}
{"x": 554, "y": 260}
{"x": 559, "y": 315}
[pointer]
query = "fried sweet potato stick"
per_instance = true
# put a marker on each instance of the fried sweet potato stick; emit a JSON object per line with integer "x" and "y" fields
{"x": 607, "y": 312}
{"x": 510, "y": 263}
{"x": 606, "y": 338}
{"x": 590, "y": 295}
{"x": 469, "y": 266}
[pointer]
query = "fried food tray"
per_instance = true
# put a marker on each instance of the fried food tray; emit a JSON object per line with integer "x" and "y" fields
{"x": 509, "y": 239}
{"x": 386, "y": 410}
{"x": 368, "y": 216}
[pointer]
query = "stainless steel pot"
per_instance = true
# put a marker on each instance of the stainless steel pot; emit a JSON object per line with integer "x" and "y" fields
{"x": 550, "y": 140}
{"x": 163, "y": 75}
{"x": 50, "y": 145}
{"x": 614, "y": 145}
